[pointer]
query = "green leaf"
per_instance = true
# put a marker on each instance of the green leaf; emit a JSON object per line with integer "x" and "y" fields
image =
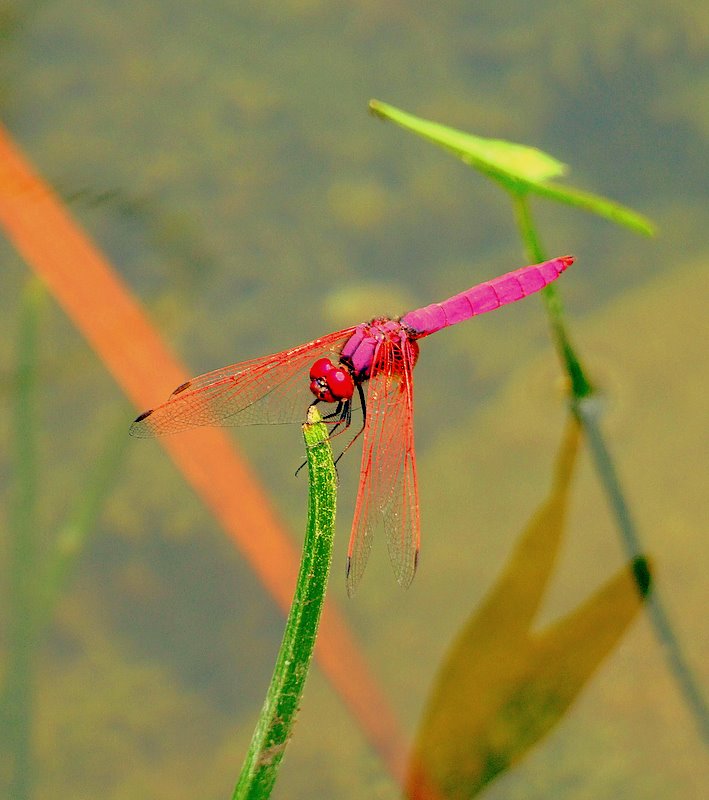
{"x": 601, "y": 206}
{"x": 505, "y": 161}
{"x": 280, "y": 708}
{"x": 518, "y": 168}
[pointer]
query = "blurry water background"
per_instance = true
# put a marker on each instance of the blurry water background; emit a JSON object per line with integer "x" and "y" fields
{"x": 222, "y": 156}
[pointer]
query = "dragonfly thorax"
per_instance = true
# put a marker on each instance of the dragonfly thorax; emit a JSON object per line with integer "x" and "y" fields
{"x": 330, "y": 382}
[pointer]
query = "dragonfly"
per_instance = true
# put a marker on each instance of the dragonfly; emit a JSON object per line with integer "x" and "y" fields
{"x": 369, "y": 365}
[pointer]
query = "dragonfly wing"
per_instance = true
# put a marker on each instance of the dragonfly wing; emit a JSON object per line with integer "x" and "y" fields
{"x": 388, "y": 490}
{"x": 270, "y": 389}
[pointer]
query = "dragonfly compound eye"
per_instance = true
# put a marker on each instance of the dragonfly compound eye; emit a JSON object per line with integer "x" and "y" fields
{"x": 320, "y": 368}
{"x": 329, "y": 382}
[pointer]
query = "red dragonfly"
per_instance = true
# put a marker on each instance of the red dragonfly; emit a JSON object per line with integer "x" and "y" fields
{"x": 380, "y": 354}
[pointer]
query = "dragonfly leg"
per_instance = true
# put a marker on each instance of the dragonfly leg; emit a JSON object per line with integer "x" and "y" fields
{"x": 343, "y": 413}
{"x": 363, "y": 401}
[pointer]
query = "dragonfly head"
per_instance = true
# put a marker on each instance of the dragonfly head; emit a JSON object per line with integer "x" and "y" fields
{"x": 330, "y": 382}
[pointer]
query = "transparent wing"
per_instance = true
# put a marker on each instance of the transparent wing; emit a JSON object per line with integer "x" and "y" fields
{"x": 270, "y": 389}
{"x": 388, "y": 491}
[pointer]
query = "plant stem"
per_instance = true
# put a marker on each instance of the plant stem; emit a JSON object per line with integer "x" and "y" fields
{"x": 580, "y": 385}
{"x": 17, "y": 697}
{"x": 72, "y": 536}
{"x": 275, "y": 723}
{"x": 586, "y": 411}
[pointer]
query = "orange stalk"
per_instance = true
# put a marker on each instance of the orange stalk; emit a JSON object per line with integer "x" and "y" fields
{"x": 110, "y": 318}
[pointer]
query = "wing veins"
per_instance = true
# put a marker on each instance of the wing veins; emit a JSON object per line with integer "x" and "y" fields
{"x": 388, "y": 491}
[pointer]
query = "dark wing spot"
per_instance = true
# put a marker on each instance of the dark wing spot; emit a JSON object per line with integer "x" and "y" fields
{"x": 143, "y": 416}
{"x": 181, "y": 388}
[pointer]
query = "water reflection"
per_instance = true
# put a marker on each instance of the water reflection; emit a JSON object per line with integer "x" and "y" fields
{"x": 504, "y": 685}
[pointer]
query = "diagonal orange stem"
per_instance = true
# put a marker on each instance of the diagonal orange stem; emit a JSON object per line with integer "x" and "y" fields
{"x": 103, "y": 309}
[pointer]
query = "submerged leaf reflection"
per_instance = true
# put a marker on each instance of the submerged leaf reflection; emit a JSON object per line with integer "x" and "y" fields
{"x": 503, "y": 685}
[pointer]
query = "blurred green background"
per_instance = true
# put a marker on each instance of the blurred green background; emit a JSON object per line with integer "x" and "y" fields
{"x": 222, "y": 156}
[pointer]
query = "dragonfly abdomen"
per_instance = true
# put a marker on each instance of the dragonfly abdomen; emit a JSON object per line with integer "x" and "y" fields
{"x": 486, "y": 296}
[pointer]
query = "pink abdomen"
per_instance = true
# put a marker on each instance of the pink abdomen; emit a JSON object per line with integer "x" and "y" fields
{"x": 486, "y": 296}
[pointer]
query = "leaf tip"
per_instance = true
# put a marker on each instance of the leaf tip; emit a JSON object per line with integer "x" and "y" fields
{"x": 376, "y": 109}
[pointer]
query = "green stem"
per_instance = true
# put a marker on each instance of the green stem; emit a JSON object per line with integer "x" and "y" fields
{"x": 585, "y": 409}
{"x": 586, "y": 412}
{"x": 580, "y": 385}
{"x": 17, "y": 700}
{"x": 73, "y": 535}
{"x": 275, "y": 723}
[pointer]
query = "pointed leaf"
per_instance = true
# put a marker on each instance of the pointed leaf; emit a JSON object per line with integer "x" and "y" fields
{"x": 567, "y": 654}
{"x": 596, "y": 204}
{"x": 513, "y": 601}
{"x": 499, "y": 159}
{"x": 520, "y": 169}
{"x": 502, "y": 686}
